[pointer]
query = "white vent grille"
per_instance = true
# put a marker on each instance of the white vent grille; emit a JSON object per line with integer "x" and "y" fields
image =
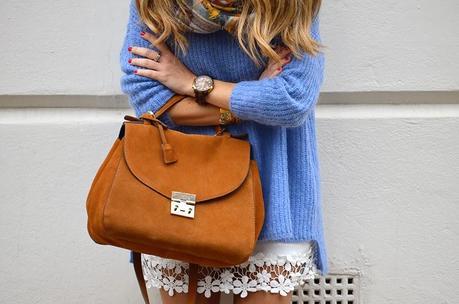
{"x": 334, "y": 288}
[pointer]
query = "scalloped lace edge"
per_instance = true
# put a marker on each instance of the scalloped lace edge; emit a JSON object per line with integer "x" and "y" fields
{"x": 271, "y": 273}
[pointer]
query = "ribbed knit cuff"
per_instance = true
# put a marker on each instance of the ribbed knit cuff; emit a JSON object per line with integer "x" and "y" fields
{"x": 238, "y": 100}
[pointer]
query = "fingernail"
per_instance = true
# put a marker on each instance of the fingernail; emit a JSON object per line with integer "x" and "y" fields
{"x": 142, "y": 33}
{"x": 130, "y": 48}
{"x": 279, "y": 69}
{"x": 130, "y": 60}
{"x": 135, "y": 72}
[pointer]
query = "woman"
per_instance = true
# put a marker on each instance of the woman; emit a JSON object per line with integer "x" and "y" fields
{"x": 264, "y": 61}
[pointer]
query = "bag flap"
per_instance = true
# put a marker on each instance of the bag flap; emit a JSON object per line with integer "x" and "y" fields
{"x": 208, "y": 166}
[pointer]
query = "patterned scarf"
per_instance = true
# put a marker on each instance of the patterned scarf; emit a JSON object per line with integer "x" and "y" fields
{"x": 208, "y": 16}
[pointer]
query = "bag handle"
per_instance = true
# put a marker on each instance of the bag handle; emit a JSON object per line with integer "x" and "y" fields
{"x": 168, "y": 151}
{"x": 219, "y": 129}
{"x": 176, "y": 98}
{"x": 172, "y": 101}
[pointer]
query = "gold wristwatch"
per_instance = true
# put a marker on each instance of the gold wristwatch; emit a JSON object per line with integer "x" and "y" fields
{"x": 202, "y": 86}
{"x": 227, "y": 117}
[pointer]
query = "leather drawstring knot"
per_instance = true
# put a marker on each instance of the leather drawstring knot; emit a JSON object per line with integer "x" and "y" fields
{"x": 169, "y": 155}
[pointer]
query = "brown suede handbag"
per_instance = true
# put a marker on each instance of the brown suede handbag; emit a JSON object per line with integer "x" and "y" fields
{"x": 192, "y": 197}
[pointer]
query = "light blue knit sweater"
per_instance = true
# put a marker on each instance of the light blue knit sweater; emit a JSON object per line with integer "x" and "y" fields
{"x": 278, "y": 114}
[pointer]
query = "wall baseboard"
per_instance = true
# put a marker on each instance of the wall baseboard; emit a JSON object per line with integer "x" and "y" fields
{"x": 121, "y": 101}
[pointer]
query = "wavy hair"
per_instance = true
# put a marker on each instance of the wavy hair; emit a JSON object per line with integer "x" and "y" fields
{"x": 290, "y": 20}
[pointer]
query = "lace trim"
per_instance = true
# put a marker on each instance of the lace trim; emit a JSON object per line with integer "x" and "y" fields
{"x": 276, "y": 274}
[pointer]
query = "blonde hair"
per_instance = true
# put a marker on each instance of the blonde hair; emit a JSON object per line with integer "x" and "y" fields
{"x": 291, "y": 20}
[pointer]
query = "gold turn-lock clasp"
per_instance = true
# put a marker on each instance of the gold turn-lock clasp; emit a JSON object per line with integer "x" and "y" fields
{"x": 183, "y": 204}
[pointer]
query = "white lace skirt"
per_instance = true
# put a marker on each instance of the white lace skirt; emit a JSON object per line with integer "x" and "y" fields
{"x": 276, "y": 267}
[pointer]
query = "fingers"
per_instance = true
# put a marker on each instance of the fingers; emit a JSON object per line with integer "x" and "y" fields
{"x": 162, "y": 47}
{"x": 282, "y": 51}
{"x": 144, "y": 52}
{"x": 285, "y": 55}
{"x": 151, "y": 60}
{"x": 148, "y": 73}
{"x": 274, "y": 68}
{"x": 146, "y": 63}
{"x": 279, "y": 65}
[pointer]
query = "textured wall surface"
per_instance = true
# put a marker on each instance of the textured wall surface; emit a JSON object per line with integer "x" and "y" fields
{"x": 72, "y": 47}
{"x": 391, "y": 45}
{"x": 389, "y": 161}
{"x": 390, "y": 197}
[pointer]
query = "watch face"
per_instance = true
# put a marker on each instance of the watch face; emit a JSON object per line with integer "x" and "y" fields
{"x": 203, "y": 83}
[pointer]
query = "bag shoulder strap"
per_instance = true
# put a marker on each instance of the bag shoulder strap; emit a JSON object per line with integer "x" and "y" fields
{"x": 172, "y": 101}
{"x": 139, "y": 275}
{"x": 193, "y": 279}
{"x": 219, "y": 129}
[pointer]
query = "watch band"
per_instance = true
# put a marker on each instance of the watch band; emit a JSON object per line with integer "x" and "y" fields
{"x": 200, "y": 97}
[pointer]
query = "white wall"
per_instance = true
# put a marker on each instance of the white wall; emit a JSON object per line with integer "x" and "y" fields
{"x": 389, "y": 171}
{"x": 71, "y": 47}
{"x": 391, "y": 45}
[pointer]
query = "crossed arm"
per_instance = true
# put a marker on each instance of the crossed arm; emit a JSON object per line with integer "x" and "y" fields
{"x": 279, "y": 97}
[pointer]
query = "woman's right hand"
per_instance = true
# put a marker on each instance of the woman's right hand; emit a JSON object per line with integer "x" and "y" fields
{"x": 273, "y": 68}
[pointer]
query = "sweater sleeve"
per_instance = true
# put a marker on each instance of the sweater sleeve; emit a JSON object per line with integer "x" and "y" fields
{"x": 283, "y": 100}
{"x": 144, "y": 93}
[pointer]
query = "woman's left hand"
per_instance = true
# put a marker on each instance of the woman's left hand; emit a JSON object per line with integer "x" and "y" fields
{"x": 169, "y": 70}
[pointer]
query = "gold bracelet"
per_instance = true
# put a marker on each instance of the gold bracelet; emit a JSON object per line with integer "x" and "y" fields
{"x": 227, "y": 117}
